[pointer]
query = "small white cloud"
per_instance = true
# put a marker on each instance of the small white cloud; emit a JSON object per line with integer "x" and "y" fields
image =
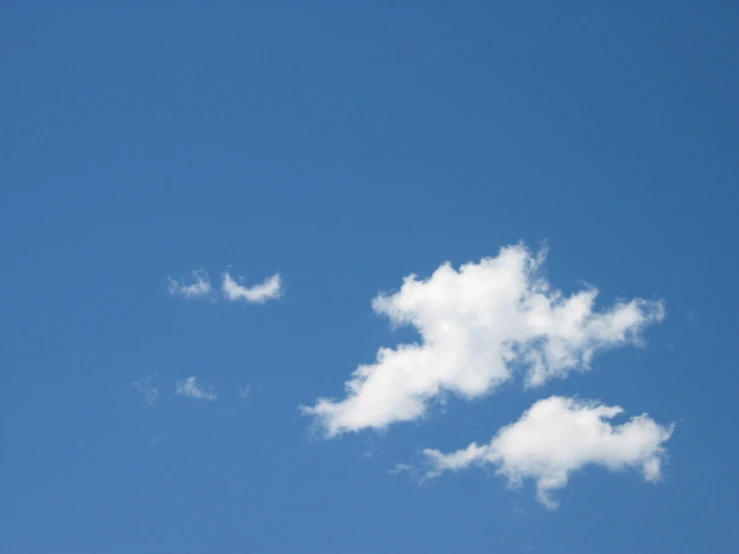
{"x": 150, "y": 392}
{"x": 199, "y": 288}
{"x": 477, "y": 326}
{"x": 270, "y": 288}
{"x": 245, "y": 391}
{"x": 557, "y": 436}
{"x": 190, "y": 389}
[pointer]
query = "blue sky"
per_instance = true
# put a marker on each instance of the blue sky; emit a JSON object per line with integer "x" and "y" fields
{"x": 337, "y": 150}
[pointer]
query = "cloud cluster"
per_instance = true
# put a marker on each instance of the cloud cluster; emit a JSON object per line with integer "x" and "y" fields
{"x": 479, "y": 325}
{"x": 190, "y": 389}
{"x": 232, "y": 289}
{"x": 557, "y": 436}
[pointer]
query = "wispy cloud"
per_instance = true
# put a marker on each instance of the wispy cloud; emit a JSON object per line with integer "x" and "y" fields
{"x": 200, "y": 287}
{"x": 191, "y": 389}
{"x": 244, "y": 392}
{"x": 400, "y": 468}
{"x": 269, "y": 289}
{"x": 478, "y": 325}
{"x": 557, "y": 436}
{"x": 150, "y": 392}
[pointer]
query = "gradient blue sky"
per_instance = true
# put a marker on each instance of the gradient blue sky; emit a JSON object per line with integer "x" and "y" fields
{"x": 346, "y": 147}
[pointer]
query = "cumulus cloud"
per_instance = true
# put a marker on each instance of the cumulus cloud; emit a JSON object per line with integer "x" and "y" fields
{"x": 270, "y": 288}
{"x": 190, "y": 389}
{"x": 150, "y": 392}
{"x": 478, "y": 325}
{"x": 200, "y": 286}
{"x": 557, "y": 436}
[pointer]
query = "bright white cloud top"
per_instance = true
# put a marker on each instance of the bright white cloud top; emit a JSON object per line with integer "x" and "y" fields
{"x": 557, "y": 436}
{"x": 191, "y": 389}
{"x": 269, "y": 289}
{"x": 200, "y": 286}
{"x": 477, "y": 325}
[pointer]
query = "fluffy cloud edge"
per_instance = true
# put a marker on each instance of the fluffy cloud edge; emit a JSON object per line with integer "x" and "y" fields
{"x": 558, "y": 436}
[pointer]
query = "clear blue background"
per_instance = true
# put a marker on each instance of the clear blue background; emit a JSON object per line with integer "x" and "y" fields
{"x": 347, "y": 146}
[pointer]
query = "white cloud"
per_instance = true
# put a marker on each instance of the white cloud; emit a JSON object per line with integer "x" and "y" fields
{"x": 199, "y": 288}
{"x": 270, "y": 288}
{"x": 245, "y": 391}
{"x": 150, "y": 392}
{"x": 557, "y": 436}
{"x": 191, "y": 389}
{"x": 477, "y": 325}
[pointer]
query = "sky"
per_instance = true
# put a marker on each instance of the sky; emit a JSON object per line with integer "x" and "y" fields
{"x": 337, "y": 277}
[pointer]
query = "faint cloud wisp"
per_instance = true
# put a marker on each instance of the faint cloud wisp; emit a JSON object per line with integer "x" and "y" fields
{"x": 200, "y": 287}
{"x": 150, "y": 391}
{"x": 190, "y": 388}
